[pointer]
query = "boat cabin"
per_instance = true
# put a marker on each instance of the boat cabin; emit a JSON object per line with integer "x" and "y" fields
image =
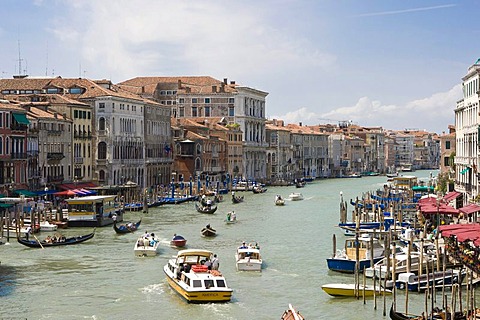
{"x": 364, "y": 244}
{"x": 93, "y": 211}
{"x": 249, "y": 253}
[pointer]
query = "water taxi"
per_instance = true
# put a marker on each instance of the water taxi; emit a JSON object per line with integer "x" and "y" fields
{"x": 248, "y": 258}
{"x": 191, "y": 279}
{"x": 295, "y": 196}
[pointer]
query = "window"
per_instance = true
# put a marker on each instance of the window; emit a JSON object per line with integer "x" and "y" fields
{"x": 194, "y": 112}
{"x": 75, "y": 90}
{"x": 101, "y": 124}
{"x": 102, "y": 150}
{"x": 101, "y": 105}
{"x": 181, "y": 100}
{"x": 446, "y": 161}
{"x": 231, "y": 100}
{"x": 194, "y": 100}
{"x": 207, "y": 100}
{"x": 209, "y": 283}
{"x": 197, "y": 283}
{"x": 207, "y": 111}
{"x": 447, "y": 145}
{"x": 231, "y": 111}
{"x": 53, "y": 90}
{"x": 75, "y": 114}
{"x": 181, "y": 111}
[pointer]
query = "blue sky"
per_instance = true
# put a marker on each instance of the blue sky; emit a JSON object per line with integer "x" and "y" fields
{"x": 395, "y": 64}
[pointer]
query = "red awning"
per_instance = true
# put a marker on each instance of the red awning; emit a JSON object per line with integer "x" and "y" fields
{"x": 427, "y": 200}
{"x": 451, "y": 195}
{"x": 441, "y": 209}
{"x": 454, "y": 229}
{"x": 468, "y": 235}
{"x": 471, "y": 208}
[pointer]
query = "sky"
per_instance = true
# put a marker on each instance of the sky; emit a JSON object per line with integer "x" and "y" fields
{"x": 389, "y": 63}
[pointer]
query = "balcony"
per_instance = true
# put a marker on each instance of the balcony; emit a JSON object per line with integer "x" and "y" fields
{"x": 82, "y": 135}
{"x": 55, "y": 156}
{"x": 55, "y": 179}
{"x": 54, "y": 132}
{"x": 18, "y": 156}
{"x": 19, "y": 127}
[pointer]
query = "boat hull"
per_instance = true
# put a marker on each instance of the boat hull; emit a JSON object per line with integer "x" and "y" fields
{"x": 249, "y": 266}
{"x": 348, "y": 290}
{"x": 348, "y": 266}
{"x": 205, "y": 296}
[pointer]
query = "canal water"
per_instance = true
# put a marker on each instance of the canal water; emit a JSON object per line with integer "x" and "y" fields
{"x": 102, "y": 279}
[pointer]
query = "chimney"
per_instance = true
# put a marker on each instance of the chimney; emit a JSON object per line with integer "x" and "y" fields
{"x": 300, "y": 124}
{"x": 187, "y": 90}
{"x": 225, "y": 80}
{"x": 179, "y": 84}
{"x": 222, "y": 88}
{"x": 214, "y": 89}
{"x": 232, "y": 82}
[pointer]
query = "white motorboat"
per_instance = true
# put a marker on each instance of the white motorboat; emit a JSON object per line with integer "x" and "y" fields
{"x": 400, "y": 261}
{"x": 47, "y": 226}
{"x": 295, "y": 196}
{"x": 193, "y": 281}
{"x": 248, "y": 258}
{"x": 146, "y": 246}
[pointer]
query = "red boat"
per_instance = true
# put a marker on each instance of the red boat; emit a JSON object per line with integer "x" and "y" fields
{"x": 178, "y": 241}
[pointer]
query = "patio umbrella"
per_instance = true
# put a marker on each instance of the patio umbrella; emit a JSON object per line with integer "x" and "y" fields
{"x": 65, "y": 193}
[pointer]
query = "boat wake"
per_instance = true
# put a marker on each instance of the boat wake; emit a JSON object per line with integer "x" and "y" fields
{"x": 157, "y": 288}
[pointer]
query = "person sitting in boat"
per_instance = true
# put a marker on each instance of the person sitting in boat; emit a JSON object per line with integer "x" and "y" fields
{"x": 233, "y": 216}
{"x": 146, "y": 235}
{"x": 229, "y": 216}
{"x": 243, "y": 246}
{"x": 130, "y": 226}
{"x": 48, "y": 239}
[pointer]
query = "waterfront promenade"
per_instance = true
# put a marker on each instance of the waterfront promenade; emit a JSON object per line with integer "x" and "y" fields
{"x": 102, "y": 279}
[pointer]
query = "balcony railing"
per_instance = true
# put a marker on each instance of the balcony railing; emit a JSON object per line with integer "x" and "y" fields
{"x": 55, "y": 156}
{"x": 55, "y": 179}
{"x": 19, "y": 127}
{"x": 19, "y": 156}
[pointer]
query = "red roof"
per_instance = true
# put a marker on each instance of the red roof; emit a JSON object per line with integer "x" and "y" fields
{"x": 451, "y": 195}
{"x": 441, "y": 209}
{"x": 471, "y": 208}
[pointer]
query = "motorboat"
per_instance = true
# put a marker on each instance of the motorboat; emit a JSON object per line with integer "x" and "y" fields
{"x": 295, "y": 196}
{"x": 348, "y": 290}
{"x": 178, "y": 241}
{"x": 192, "y": 280}
{"x": 248, "y": 258}
{"x": 412, "y": 282}
{"x": 147, "y": 246}
{"x": 345, "y": 260}
{"x": 400, "y": 261}
{"x": 291, "y": 314}
{"x": 279, "y": 201}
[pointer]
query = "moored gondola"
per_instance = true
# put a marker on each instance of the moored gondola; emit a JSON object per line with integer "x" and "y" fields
{"x": 126, "y": 227}
{"x": 61, "y": 241}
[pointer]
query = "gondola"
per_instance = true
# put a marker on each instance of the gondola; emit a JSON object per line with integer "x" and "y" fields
{"x": 237, "y": 199}
{"x": 62, "y": 242}
{"x": 124, "y": 227}
{"x": 205, "y": 209}
{"x": 209, "y": 231}
{"x": 437, "y": 315}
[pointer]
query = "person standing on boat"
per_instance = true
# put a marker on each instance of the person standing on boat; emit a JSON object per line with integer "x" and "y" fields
{"x": 215, "y": 262}
{"x": 27, "y": 233}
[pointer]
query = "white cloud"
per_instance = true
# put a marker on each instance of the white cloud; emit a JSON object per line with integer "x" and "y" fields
{"x": 433, "y": 113}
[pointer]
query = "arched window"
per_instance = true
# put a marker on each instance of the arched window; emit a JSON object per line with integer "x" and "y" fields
{"x": 101, "y": 175}
{"x": 102, "y": 150}
{"x": 199, "y": 148}
{"x": 101, "y": 124}
{"x": 198, "y": 164}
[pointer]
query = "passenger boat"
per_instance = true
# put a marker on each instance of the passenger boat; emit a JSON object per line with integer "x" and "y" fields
{"x": 295, "y": 196}
{"x": 205, "y": 209}
{"x": 178, "y": 241}
{"x": 348, "y": 290}
{"x": 412, "y": 282}
{"x": 279, "y": 201}
{"x": 192, "y": 280}
{"x": 93, "y": 211}
{"x": 248, "y": 258}
{"x": 209, "y": 231}
{"x": 345, "y": 260}
{"x": 61, "y": 241}
{"x": 127, "y": 227}
{"x": 291, "y": 314}
{"x": 147, "y": 246}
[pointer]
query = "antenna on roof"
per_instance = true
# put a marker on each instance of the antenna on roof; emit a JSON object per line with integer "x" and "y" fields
{"x": 46, "y": 62}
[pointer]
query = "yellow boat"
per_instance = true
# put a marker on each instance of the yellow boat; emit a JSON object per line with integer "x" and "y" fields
{"x": 191, "y": 279}
{"x": 348, "y": 290}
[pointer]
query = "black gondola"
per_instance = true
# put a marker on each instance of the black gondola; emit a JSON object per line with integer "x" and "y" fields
{"x": 237, "y": 199}
{"x": 209, "y": 231}
{"x": 60, "y": 242}
{"x": 205, "y": 209}
{"x": 436, "y": 315}
{"x": 126, "y": 227}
